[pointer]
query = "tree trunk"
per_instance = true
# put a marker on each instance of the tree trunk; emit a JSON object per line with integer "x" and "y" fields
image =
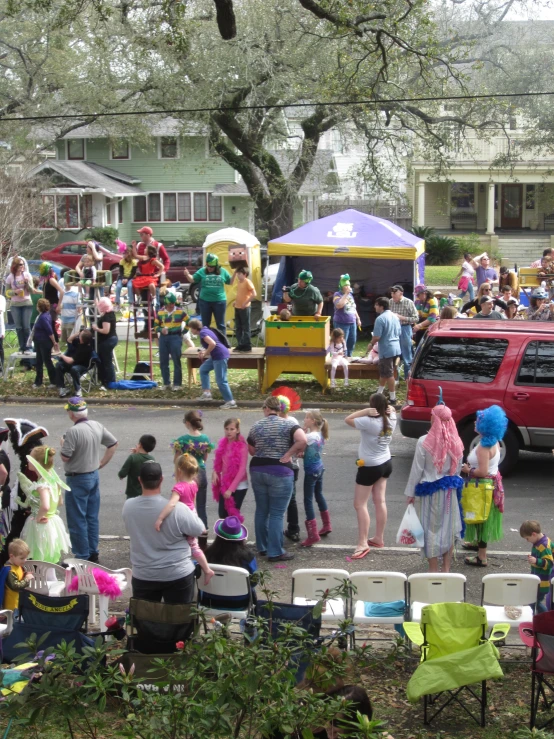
{"x": 280, "y": 219}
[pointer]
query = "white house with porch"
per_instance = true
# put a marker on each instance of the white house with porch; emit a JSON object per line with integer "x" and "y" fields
{"x": 511, "y": 207}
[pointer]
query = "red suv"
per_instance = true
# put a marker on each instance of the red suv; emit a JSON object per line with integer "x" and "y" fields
{"x": 478, "y": 363}
{"x": 70, "y": 252}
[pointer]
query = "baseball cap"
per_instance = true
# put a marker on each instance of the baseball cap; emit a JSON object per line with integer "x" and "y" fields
{"x": 145, "y": 230}
{"x": 486, "y": 299}
{"x": 150, "y": 472}
{"x": 397, "y": 288}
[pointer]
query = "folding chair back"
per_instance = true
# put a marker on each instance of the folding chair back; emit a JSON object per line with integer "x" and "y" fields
{"x": 543, "y": 627}
{"x": 509, "y": 590}
{"x": 309, "y": 585}
{"x": 228, "y": 590}
{"x": 158, "y": 627}
{"x": 90, "y": 377}
{"x": 437, "y": 587}
{"x": 452, "y": 627}
{"x": 49, "y": 578}
{"x": 379, "y": 587}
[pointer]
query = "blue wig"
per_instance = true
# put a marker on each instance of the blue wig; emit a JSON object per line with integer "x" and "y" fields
{"x": 491, "y": 424}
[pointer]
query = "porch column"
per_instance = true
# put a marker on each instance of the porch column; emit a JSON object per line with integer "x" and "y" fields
{"x": 421, "y": 203}
{"x": 490, "y": 210}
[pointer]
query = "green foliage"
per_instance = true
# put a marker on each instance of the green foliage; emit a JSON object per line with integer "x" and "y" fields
{"x": 527, "y": 733}
{"x": 105, "y": 235}
{"x": 470, "y": 243}
{"x": 196, "y": 236}
{"x": 440, "y": 250}
{"x": 424, "y": 232}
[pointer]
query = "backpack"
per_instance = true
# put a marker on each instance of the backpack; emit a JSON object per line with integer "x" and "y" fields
{"x": 222, "y": 338}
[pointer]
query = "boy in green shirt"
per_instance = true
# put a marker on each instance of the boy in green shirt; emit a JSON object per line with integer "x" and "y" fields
{"x": 540, "y": 559}
{"x": 131, "y": 467}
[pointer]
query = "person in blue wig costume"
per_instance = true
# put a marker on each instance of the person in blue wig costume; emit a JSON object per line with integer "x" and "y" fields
{"x": 435, "y": 487}
{"x": 482, "y": 464}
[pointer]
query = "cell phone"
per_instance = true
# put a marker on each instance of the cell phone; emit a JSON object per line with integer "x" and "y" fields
{"x": 286, "y": 289}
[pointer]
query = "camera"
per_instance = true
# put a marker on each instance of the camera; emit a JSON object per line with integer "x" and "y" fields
{"x": 286, "y": 289}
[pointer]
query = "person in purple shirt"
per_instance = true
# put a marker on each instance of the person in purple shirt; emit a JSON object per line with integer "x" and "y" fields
{"x": 484, "y": 272}
{"x": 214, "y": 355}
{"x": 44, "y": 340}
{"x": 346, "y": 316}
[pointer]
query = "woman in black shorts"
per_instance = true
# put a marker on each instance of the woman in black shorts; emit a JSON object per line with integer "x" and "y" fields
{"x": 376, "y": 425}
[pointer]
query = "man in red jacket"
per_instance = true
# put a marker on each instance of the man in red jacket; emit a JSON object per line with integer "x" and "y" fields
{"x": 147, "y": 240}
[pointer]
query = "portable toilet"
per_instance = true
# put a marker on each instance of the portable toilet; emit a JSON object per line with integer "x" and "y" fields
{"x": 235, "y": 247}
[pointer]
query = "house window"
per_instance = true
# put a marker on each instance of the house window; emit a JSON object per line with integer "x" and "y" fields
{"x": 170, "y": 206}
{"x": 120, "y": 211}
{"x": 67, "y": 211}
{"x": 108, "y": 214}
{"x": 76, "y": 149}
{"x": 49, "y": 211}
{"x": 139, "y": 209}
{"x": 86, "y": 211}
{"x": 120, "y": 149}
{"x": 214, "y": 208}
{"x": 462, "y": 197}
{"x": 200, "y": 206}
{"x": 169, "y": 147}
{"x": 154, "y": 207}
{"x": 530, "y": 197}
{"x": 184, "y": 209}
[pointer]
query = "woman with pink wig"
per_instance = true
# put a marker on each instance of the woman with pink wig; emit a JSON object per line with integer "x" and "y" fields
{"x": 107, "y": 340}
{"x": 435, "y": 487}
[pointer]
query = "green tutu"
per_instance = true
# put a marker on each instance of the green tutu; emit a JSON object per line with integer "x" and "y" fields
{"x": 488, "y": 531}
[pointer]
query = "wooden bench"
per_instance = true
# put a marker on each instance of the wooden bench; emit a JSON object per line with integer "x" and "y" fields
{"x": 465, "y": 220}
{"x": 358, "y": 371}
{"x": 548, "y": 221}
{"x": 253, "y": 360}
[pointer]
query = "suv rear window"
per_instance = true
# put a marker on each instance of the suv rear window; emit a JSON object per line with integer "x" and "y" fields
{"x": 460, "y": 359}
{"x": 537, "y": 365}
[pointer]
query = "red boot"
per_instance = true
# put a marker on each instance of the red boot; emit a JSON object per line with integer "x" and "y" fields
{"x": 313, "y": 536}
{"x": 326, "y": 528}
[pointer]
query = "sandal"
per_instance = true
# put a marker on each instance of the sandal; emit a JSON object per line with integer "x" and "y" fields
{"x": 469, "y": 547}
{"x": 372, "y": 543}
{"x": 475, "y": 561}
{"x": 360, "y": 553}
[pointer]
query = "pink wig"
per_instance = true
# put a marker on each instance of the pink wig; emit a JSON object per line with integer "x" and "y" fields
{"x": 107, "y": 584}
{"x": 104, "y": 305}
{"x": 443, "y": 439}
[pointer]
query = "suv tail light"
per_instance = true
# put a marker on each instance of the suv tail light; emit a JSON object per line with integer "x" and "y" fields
{"x": 417, "y": 395}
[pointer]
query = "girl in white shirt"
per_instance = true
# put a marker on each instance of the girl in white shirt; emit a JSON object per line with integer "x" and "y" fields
{"x": 337, "y": 350}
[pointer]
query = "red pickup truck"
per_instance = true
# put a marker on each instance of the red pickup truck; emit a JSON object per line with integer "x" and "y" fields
{"x": 478, "y": 363}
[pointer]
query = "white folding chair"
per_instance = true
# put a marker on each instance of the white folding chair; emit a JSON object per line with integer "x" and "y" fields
{"x": 87, "y": 584}
{"x": 376, "y": 587}
{"x": 49, "y": 578}
{"x": 227, "y": 582}
{"x": 434, "y": 587}
{"x": 6, "y": 628}
{"x": 509, "y": 590}
{"x": 309, "y": 585}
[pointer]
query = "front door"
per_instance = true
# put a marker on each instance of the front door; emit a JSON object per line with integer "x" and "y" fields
{"x": 512, "y": 206}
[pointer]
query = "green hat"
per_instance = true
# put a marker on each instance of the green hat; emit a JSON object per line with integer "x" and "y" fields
{"x": 344, "y": 280}
{"x": 212, "y": 260}
{"x": 44, "y": 269}
{"x": 76, "y": 405}
{"x": 170, "y": 298}
{"x": 306, "y": 276}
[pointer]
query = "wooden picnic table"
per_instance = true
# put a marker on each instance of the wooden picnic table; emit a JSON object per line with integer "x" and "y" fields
{"x": 253, "y": 360}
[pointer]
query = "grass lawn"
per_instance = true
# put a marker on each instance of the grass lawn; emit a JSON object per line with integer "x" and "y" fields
{"x": 244, "y": 383}
{"x": 441, "y": 275}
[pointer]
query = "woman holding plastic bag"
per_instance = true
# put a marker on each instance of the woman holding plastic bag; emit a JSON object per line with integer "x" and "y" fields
{"x": 483, "y": 495}
{"x": 435, "y": 486}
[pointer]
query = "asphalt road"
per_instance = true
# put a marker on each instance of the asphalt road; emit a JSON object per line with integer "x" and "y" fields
{"x": 529, "y": 491}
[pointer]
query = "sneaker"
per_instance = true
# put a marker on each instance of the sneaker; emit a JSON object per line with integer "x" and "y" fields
{"x": 281, "y": 558}
{"x": 166, "y": 387}
{"x": 52, "y": 387}
{"x": 104, "y": 390}
{"x": 292, "y": 535}
{"x": 346, "y": 383}
{"x": 78, "y": 393}
{"x": 333, "y": 384}
{"x": 62, "y": 392}
{"x": 28, "y": 351}
{"x": 35, "y": 386}
{"x": 176, "y": 388}
{"x": 227, "y": 406}
{"x": 205, "y": 396}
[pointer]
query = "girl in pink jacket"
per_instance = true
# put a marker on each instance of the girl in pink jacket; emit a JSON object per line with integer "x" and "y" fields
{"x": 229, "y": 478}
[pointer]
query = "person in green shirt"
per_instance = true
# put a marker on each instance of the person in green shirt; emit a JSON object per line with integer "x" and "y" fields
{"x": 212, "y": 299}
{"x": 131, "y": 467}
{"x": 305, "y": 298}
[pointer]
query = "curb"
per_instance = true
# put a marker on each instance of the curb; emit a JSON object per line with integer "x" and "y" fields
{"x": 171, "y": 402}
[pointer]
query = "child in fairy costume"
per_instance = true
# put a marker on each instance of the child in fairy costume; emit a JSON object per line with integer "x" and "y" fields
{"x": 44, "y": 531}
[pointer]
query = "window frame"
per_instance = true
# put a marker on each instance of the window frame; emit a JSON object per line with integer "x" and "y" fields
{"x": 534, "y": 384}
{"x": 159, "y": 196}
{"x": 464, "y": 343}
{"x": 75, "y": 159}
{"x": 456, "y": 208}
{"x": 178, "y": 148}
{"x": 209, "y": 198}
{"x": 123, "y": 159}
{"x": 82, "y": 211}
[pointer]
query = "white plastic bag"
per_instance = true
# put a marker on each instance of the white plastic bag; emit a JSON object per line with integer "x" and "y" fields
{"x": 411, "y": 530}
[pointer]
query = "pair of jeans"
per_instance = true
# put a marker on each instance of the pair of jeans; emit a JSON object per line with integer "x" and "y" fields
{"x": 217, "y": 309}
{"x": 106, "y": 369}
{"x": 75, "y": 370}
{"x": 293, "y": 526}
{"x": 170, "y": 591}
{"x": 118, "y": 286}
{"x": 541, "y": 606}
{"x": 406, "y": 347}
{"x": 272, "y": 495}
{"x": 82, "y": 504}
{"x": 202, "y": 495}
{"x": 350, "y": 334}
{"x": 313, "y": 487}
{"x": 238, "y": 497}
{"x": 219, "y": 366}
{"x": 470, "y": 290}
{"x": 22, "y": 319}
{"x": 171, "y": 345}
{"x": 43, "y": 349}
{"x": 242, "y": 328}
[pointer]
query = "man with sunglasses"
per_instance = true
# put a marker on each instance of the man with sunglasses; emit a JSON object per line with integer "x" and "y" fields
{"x": 484, "y": 272}
{"x": 484, "y": 291}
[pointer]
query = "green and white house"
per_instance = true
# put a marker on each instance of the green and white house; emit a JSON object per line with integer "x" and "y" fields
{"x": 173, "y": 183}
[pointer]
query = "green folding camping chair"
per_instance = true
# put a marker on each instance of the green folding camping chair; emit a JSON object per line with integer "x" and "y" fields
{"x": 455, "y": 654}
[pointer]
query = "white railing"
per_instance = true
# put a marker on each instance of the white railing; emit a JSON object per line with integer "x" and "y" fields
{"x": 486, "y": 150}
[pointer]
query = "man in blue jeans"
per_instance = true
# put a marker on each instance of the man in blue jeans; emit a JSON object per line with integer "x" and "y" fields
{"x": 81, "y": 448}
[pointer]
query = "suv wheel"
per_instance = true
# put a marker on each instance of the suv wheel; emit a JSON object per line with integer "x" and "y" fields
{"x": 509, "y": 447}
{"x": 193, "y": 292}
